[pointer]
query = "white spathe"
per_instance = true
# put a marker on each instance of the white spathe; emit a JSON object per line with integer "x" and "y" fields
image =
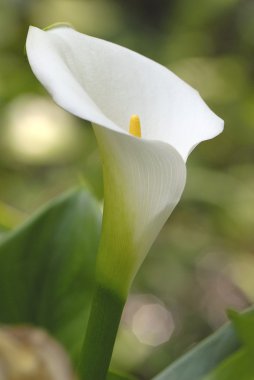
{"x": 143, "y": 178}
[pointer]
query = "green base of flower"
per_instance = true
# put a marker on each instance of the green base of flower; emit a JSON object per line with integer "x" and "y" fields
{"x": 101, "y": 333}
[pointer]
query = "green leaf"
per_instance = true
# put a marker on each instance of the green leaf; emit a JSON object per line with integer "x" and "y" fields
{"x": 206, "y": 356}
{"x": 244, "y": 326}
{"x": 227, "y": 354}
{"x": 117, "y": 376}
{"x": 47, "y": 268}
{"x": 236, "y": 367}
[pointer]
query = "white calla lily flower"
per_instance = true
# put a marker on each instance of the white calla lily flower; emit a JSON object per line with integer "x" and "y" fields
{"x": 143, "y": 177}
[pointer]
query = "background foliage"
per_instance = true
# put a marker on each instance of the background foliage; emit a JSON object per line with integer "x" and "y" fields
{"x": 202, "y": 263}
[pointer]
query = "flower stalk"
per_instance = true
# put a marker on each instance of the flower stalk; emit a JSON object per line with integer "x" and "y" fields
{"x": 101, "y": 333}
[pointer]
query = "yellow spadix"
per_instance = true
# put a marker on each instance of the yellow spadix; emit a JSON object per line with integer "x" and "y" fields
{"x": 135, "y": 126}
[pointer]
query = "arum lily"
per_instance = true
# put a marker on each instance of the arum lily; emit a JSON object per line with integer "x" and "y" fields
{"x": 146, "y": 121}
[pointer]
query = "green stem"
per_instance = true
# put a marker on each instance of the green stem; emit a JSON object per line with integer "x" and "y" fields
{"x": 101, "y": 333}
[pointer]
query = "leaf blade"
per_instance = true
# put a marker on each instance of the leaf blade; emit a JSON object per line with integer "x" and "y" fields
{"x": 211, "y": 353}
{"x": 203, "y": 358}
{"x": 47, "y": 268}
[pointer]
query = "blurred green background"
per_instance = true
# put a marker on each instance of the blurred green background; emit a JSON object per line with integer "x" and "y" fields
{"x": 203, "y": 261}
